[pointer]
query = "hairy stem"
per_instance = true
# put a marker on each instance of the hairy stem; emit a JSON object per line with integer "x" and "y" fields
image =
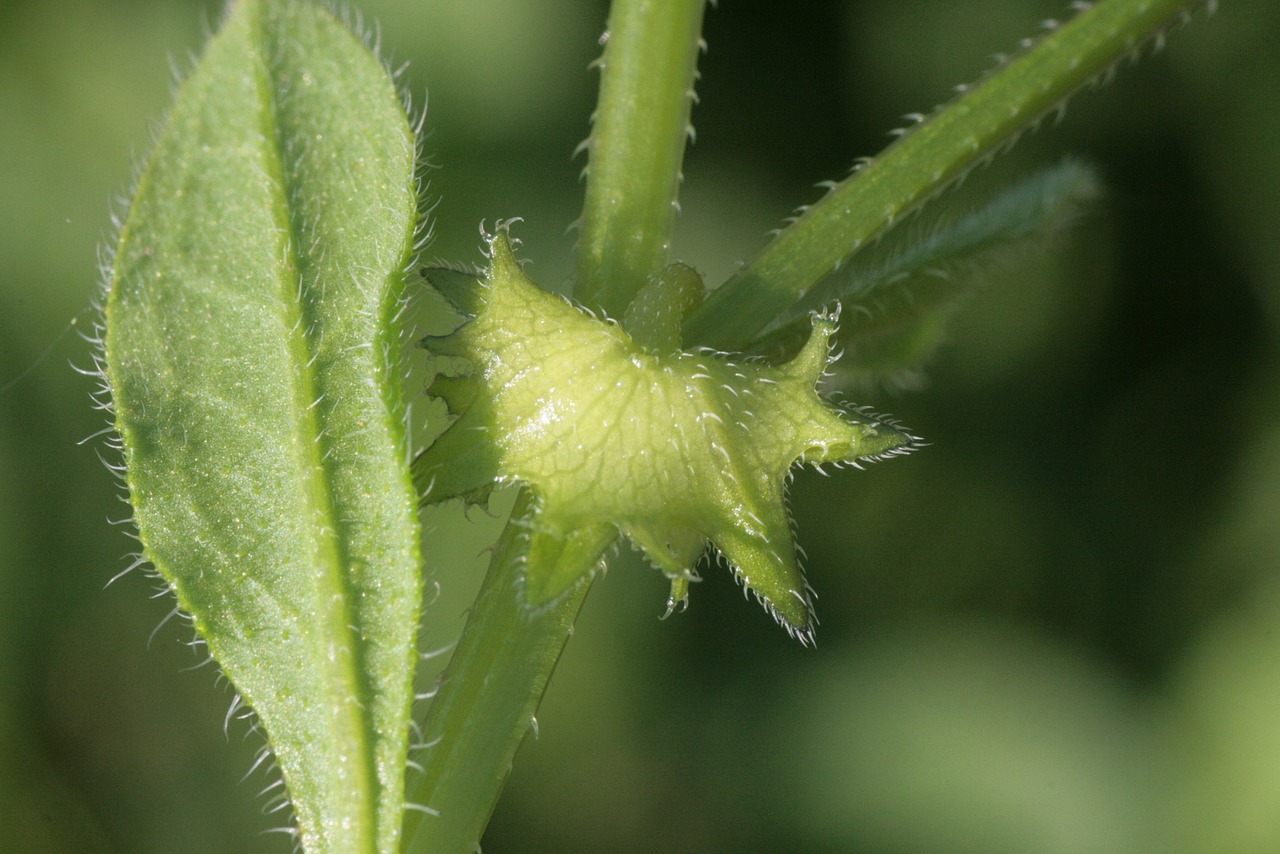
{"x": 636, "y": 148}
{"x": 507, "y": 653}
{"x": 487, "y": 701}
{"x": 965, "y": 132}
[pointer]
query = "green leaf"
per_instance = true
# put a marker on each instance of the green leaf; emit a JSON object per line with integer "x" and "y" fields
{"x": 931, "y": 156}
{"x": 897, "y": 296}
{"x": 671, "y": 449}
{"x": 253, "y": 364}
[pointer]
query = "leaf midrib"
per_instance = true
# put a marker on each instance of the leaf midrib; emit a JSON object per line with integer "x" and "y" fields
{"x": 303, "y": 318}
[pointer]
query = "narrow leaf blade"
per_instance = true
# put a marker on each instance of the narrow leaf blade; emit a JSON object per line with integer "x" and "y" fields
{"x": 933, "y": 155}
{"x": 252, "y": 359}
{"x": 898, "y": 296}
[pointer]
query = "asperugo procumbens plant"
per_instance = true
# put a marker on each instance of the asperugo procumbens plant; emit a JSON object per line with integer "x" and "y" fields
{"x": 252, "y": 359}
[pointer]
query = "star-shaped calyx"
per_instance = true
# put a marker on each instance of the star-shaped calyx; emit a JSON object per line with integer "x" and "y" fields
{"x": 617, "y": 431}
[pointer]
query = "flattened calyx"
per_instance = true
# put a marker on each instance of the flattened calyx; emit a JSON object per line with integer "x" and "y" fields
{"x": 672, "y": 449}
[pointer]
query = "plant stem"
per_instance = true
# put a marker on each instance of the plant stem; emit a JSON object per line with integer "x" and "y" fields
{"x": 487, "y": 701}
{"x": 636, "y": 148}
{"x": 962, "y": 134}
{"x": 497, "y": 676}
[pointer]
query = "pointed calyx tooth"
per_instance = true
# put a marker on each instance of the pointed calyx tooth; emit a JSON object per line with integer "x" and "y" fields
{"x": 617, "y": 432}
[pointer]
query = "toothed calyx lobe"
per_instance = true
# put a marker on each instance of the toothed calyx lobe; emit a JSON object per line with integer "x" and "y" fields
{"x": 619, "y": 432}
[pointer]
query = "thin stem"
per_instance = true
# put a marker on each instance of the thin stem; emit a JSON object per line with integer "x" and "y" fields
{"x": 488, "y": 697}
{"x": 937, "y": 152}
{"x": 636, "y": 147}
{"x": 497, "y": 676}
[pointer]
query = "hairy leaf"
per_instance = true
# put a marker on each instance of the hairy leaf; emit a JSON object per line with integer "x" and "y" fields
{"x": 252, "y": 361}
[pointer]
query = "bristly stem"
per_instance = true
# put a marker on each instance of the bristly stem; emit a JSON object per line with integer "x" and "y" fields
{"x": 486, "y": 703}
{"x": 636, "y": 148}
{"x": 925, "y": 160}
{"x": 507, "y": 652}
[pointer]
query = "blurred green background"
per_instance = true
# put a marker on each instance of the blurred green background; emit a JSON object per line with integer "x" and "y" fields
{"x": 1056, "y": 629}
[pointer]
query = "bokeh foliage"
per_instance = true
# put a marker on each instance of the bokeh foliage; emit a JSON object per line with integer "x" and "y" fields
{"x": 1054, "y": 629}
